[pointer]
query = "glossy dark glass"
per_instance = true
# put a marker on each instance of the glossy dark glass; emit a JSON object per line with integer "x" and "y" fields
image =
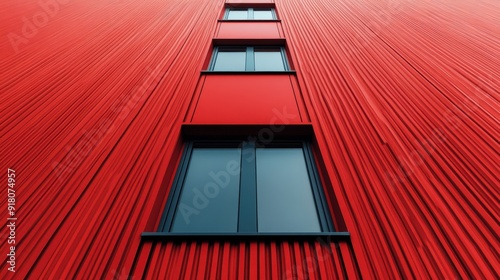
{"x": 230, "y": 60}
{"x": 210, "y": 194}
{"x": 268, "y": 59}
{"x": 285, "y": 202}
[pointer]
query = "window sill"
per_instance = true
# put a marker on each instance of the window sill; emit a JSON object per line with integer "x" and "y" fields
{"x": 289, "y": 72}
{"x": 249, "y": 20}
{"x": 215, "y": 236}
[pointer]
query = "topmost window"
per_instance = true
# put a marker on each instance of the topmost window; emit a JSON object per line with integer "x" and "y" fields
{"x": 250, "y": 14}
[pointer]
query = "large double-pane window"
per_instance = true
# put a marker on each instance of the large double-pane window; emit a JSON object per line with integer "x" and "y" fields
{"x": 246, "y": 187}
{"x": 250, "y": 14}
{"x": 251, "y": 58}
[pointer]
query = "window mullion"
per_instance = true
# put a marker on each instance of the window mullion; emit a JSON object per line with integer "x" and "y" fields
{"x": 250, "y": 63}
{"x": 250, "y": 13}
{"x": 248, "y": 190}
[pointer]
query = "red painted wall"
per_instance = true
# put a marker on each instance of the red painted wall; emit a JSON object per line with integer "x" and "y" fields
{"x": 249, "y": 30}
{"x": 403, "y": 97}
{"x": 247, "y": 99}
{"x": 247, "y": 1}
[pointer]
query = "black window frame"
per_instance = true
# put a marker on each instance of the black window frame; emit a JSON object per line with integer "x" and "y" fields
{"x": 247, "y": 217}
{"x": 250, "y": 14}
{"x": 249, "y": 58}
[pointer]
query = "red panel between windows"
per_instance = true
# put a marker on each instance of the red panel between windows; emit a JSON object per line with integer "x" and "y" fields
{"x": 247, "y": 99}
{"x": 248, "y": 30}
{"x": 248, "y": 1}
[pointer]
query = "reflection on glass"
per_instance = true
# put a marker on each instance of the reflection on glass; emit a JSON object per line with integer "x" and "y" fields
{"x": 230, "y": 60}
{"x": 209, "y": 198}
{"x": 285, "y": 201}
{"x": 263, "y": 14}
{"x": 268, "y": 60}
{"x": 237, "y": 14}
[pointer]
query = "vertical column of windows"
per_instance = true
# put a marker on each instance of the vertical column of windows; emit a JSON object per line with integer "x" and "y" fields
{"x": 233, "y": 186}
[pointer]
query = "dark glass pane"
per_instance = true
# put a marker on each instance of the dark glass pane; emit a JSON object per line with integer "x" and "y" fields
{"x": 269, "y": 59}
{"x": 230, "y": 60}
{"x": 237, "y": 14}
{"x": 285, "y": 201}
{"x": 263, "y": 14}
{"x": 209, "y": 198}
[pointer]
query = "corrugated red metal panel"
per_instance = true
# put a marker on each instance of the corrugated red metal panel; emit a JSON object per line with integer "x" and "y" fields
{"x": 405, "y": 101}
{"x": 403, "y": 96}
{"x": 87, "y": 103}
{"x": 249, "y": 260}
{"x": 243, "y": 99}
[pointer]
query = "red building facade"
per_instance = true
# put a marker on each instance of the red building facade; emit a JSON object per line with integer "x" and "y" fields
{"x": 397, "y": 101}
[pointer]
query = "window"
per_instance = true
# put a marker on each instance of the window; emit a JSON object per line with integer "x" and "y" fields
{"x": 258, "y": 58}
{"x": 250, "y": 14}
{"x": 246, "y": 187}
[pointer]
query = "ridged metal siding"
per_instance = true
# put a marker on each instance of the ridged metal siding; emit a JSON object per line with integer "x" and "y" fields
{"x": 405, "y": 101}
{"x": 403, "y": 96}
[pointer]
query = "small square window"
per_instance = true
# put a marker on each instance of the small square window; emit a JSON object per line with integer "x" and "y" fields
{"x": 246, "y": 187}
{"x": 250, "y": 14}
{"x": 249, "y": 59}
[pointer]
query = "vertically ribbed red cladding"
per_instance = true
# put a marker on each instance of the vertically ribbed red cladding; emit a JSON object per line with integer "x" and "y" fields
{"x": 403, "y": 97}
